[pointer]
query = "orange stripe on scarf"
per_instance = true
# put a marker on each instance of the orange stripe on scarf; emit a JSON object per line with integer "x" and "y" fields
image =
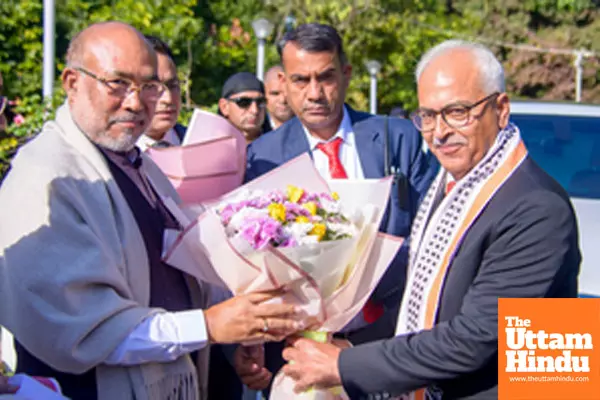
{"x": 483, "y": 197}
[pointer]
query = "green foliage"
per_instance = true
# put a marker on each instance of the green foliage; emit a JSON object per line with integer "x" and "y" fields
{"x": 545, "y": 24}
{"x": 21, "y": 46}
{"x": 35, "y": 112}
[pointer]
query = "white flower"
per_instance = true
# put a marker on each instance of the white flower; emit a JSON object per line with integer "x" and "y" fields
{"x": 343, "y": 228}
{"x": 237, "y": 220}
{"x": 297, "y": 230}
{"x": 331, "y": 207}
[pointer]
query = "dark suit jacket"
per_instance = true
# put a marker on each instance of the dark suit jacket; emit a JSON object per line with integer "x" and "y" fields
{"x": 180, "y": 131}
{"x": 289, "y": 141}
{"x": 524, "y": 244}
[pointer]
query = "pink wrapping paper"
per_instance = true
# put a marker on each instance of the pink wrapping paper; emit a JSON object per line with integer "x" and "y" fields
{"x": 204, "y": 250}
{"x": 210, "y": 163}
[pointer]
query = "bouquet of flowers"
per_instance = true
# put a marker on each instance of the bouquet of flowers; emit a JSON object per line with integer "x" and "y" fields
{"x": 288, "y": 219}
{"x": 291, "y": 228}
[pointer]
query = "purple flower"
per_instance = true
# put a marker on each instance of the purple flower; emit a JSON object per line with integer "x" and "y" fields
{"x": 326, "y": 196}
{"x": 260, "y": 232}
{"x": 276, "y": 196}
{"x": 294, "y": 210}
{"x": 227, "y": 212}
{"x": 289, "y": 242}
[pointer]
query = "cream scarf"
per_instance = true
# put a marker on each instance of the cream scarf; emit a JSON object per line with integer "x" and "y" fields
{"x": 440, "y": 226}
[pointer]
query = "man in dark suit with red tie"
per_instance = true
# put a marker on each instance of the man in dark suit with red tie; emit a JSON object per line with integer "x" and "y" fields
{"x": 344, "y": 144}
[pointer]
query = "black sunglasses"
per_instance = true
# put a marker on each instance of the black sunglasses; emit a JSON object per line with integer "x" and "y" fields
{"x": 245, "y": 102}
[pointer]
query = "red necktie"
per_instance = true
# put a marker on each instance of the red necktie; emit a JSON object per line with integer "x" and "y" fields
{"x": 450, "y": 186}
{"x": 332, "y": 151}
{"x": 371, "y": 311}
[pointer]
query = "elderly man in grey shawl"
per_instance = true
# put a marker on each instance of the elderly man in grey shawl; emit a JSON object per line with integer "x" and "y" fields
{"x": 82, "y": 283}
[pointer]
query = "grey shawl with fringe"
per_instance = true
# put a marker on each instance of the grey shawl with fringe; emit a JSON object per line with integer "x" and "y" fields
{"x": 74, "y": 274}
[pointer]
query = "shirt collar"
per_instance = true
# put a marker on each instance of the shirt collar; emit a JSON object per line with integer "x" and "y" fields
{"x": 170, "y": 136}
{"x": 343, "y": 132}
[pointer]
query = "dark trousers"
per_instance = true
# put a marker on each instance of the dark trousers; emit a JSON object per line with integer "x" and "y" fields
{"x": 223, "y": 381}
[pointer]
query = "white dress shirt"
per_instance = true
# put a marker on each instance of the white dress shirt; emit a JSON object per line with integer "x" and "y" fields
{"x": 171, "y": 137}
{"x": 351, "y": 161}
{"x": 348, "y": 152}
{"x": 166, "y": 336}
{"x": 162, "y": 337}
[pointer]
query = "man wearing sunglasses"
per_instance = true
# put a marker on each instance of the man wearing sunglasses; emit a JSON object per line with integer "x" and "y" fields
{"x": 83, "y": 286}
{"x": 243, "y": 103}
{"x": 493, "y": 225}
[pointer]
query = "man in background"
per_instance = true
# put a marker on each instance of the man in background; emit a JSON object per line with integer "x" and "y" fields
{"x": 164, "y": 131}
{"x": 279, "y": 111}
{"x": 243, "y": 104}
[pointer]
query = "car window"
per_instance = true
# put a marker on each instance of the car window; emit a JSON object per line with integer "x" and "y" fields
{"x": 567, "y": 147}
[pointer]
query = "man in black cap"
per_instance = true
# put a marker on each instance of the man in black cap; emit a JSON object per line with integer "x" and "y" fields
{"x": 243, "y": 104}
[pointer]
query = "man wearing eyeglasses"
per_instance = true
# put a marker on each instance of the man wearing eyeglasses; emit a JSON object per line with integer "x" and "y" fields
{"x": 493, "y": 225}
{"x": 243, "y": 103}
{"x": 83, "y": 287}
{"x": 164, "y": 131}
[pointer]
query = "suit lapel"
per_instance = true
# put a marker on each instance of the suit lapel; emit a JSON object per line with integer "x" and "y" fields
{"x": 294, "y": 143}
{"x": 369, "y": 144}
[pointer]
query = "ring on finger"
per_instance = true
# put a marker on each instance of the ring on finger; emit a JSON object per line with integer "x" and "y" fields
{"x": 265, "y": 328}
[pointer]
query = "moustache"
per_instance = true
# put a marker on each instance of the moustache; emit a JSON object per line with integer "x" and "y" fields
{"x": 448, "y": 141}
{"x": 313, "y": 105}
{"x": 129, "y": 118}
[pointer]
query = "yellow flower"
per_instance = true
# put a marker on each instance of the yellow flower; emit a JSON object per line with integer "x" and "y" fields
{"x": 301, "y": 219}
{"x": 311, "y": 207}
{"x": 335, "y": 196}
{"x": 277, "y": 211}
{"x": 319, "y": 231}
{"x": 294, "y": 193}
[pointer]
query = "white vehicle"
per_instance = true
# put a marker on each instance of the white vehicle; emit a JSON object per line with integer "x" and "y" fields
{"x": 564, "y": 139}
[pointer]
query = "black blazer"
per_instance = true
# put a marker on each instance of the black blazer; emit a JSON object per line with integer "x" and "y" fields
{"x": 180, "y": 131}
{"x": 524, "y": 244}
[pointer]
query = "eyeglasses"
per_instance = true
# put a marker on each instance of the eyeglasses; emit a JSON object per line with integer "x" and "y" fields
{"x": 172, "y": 85}
{"x": 121, "y": 87}
{"x": 454, "y": 115}
{"x": 246, "y": 102}
{"x": 3, "y": 104}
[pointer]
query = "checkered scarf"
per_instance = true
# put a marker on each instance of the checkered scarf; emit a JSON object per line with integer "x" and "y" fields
{"x": 440, "y": 225}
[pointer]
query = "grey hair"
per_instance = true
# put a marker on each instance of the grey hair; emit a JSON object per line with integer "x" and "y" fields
{"x": 490, "y": 69}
